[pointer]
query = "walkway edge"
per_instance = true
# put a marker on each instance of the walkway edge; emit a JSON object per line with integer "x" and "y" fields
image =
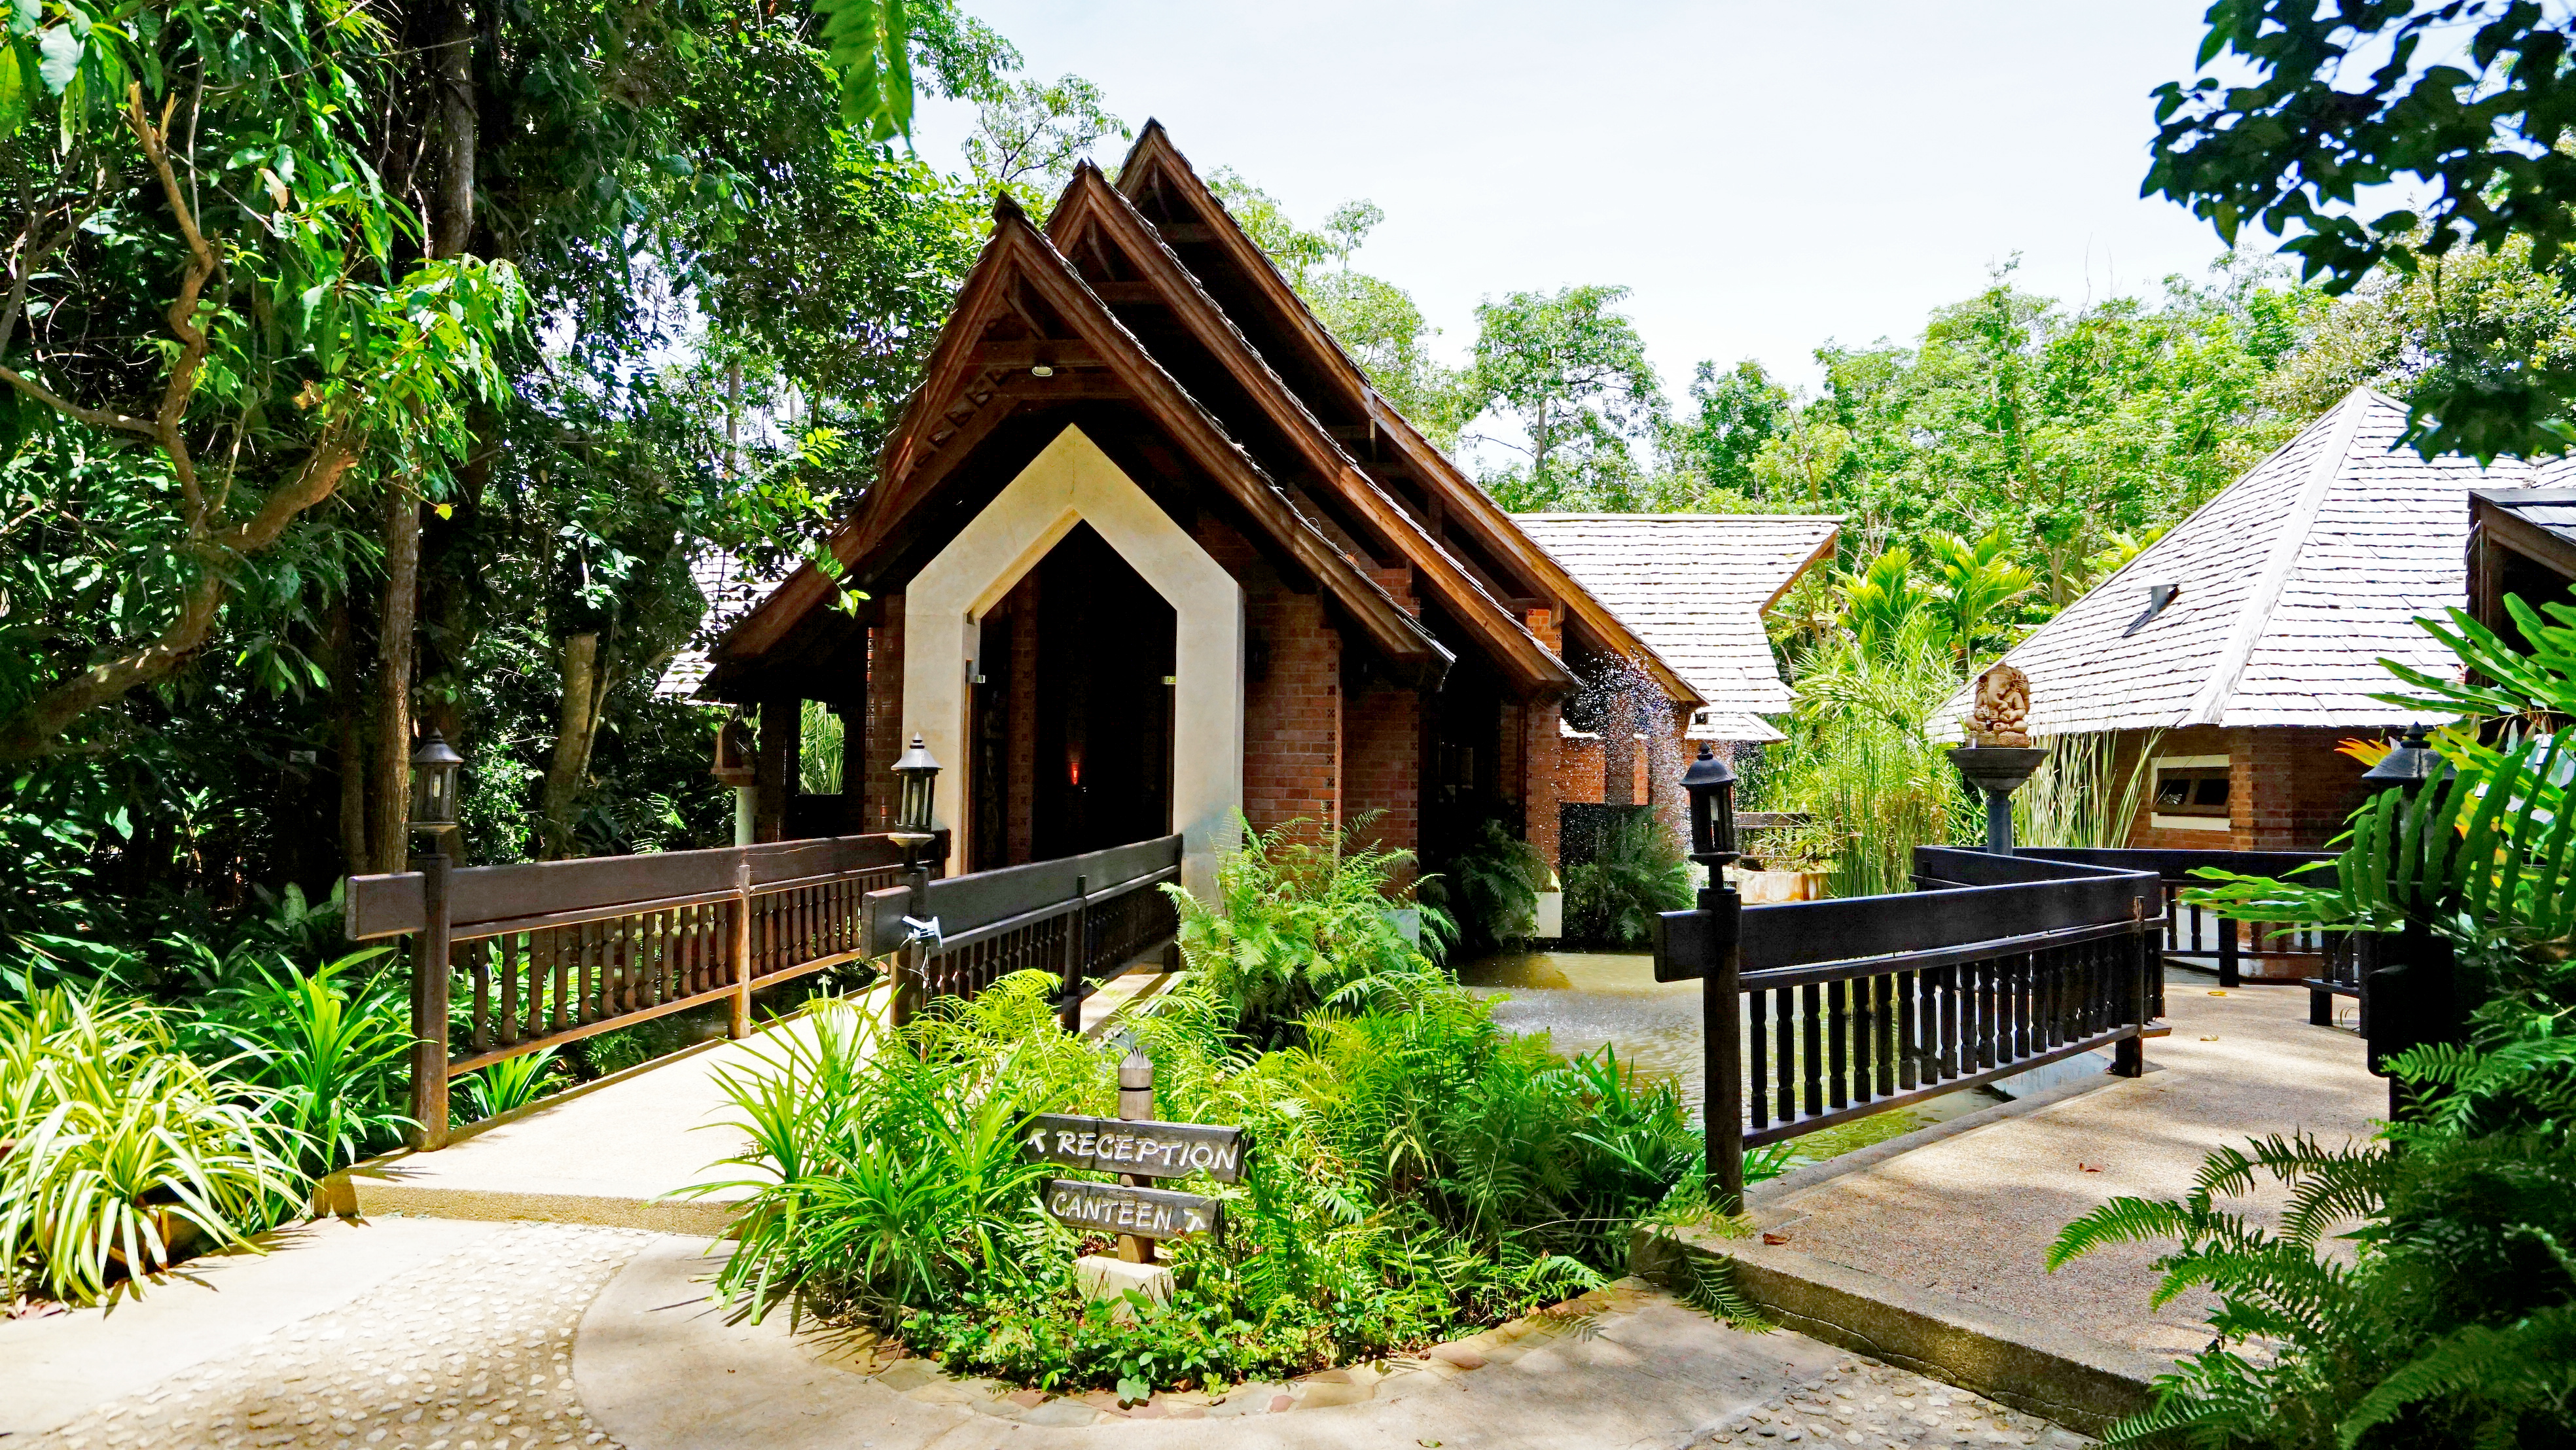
{"x": 2074, "y": 1380}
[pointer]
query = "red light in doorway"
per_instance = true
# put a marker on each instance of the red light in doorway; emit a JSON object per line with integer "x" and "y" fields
{"x": 1073, "y": 768}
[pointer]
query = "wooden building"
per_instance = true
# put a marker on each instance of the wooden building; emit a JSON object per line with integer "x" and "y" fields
{"x": 1145, "y": 549}
{"x": 2237, "y": 651}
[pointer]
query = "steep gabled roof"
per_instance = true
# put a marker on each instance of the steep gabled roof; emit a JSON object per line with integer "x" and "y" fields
{"x": 2290, "y": 586}
{"x": 972, "y": 385}
{"x": 1694, "y": 586}
{"x": 1302, "y": 351}
{"x": 1092, "y": 218}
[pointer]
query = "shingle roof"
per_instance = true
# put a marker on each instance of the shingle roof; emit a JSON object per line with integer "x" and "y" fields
{"x": 2294, "y": 582}
{"x": 1693, "y": 587}
{"x": 730, "y": 590}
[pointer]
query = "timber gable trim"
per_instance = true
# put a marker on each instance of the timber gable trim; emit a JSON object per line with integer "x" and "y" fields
{"x": 1093, "y": 210}
{"x": 1154, "y": 166}
{"x": 919, "y": 455}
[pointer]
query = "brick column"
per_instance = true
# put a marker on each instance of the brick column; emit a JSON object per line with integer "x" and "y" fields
{"x": 1539, "y": 752}
{"x": 885, "y": 737}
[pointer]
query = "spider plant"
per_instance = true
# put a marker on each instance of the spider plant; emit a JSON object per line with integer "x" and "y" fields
{"x": 329, "y": 1045}
{"x": 512, "y": 1083}
{"x": 123, "y": 1152}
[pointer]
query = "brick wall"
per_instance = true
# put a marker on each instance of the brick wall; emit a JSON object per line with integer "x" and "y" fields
{"x": 1540, "y": 749}
{"x": 1382, "y": 760}
{"x": 1579, "y": 771}
{"x": 1292, "y": 707}
{"x": 885, "y": 737}
{"x": 1623, "y": 768}
{"x": 2287, "y": 789}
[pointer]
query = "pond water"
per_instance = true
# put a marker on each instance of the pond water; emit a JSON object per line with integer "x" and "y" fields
{"x": 1585, "y": 1000}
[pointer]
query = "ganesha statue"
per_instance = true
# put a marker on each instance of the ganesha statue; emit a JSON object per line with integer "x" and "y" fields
{"x": 2001, "y": 715}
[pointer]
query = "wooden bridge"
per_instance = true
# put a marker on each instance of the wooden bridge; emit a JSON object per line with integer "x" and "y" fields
{"x": 545, "y": 954}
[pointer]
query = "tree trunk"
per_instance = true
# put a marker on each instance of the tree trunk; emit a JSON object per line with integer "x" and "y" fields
{"x": 390, "y": 786}
{"x": 585, "y": 682}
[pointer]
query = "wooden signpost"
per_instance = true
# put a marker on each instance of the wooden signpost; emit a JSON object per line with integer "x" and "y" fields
{"x": 1134, "y": 1146}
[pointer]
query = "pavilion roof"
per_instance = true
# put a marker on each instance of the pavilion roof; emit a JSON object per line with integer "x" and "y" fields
{"x": 1694, "y": 587}
{"x": 2290, "y": 587}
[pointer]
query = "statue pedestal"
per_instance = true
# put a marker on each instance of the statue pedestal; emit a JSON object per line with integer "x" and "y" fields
{"x": 1998, "y": 770}
{"x": 1103, "y": 1277}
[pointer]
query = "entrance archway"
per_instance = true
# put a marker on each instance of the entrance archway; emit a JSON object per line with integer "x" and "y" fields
{"x": 1070, "y": 484}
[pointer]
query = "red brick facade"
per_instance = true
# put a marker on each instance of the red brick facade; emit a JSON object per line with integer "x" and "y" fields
{"x": 883, "y": 736}
{"x": 2288, "y": 789}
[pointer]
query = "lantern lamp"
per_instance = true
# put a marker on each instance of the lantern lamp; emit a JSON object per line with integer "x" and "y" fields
{"x": 917, "y": 772}
{"x": 1710, "y": 783}
{"x": 433, "y": 786}
{"x": 2411, "y": 764}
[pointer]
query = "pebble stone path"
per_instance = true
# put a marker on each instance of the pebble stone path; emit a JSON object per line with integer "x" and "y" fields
{"x": 1863, "y": 1402}
{"x": 473, "y": 1352}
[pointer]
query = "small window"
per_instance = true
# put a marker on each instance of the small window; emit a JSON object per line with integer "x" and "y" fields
{"x": 2191, "y": 790}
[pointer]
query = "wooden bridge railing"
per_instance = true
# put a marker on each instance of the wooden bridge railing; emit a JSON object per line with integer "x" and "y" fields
{"x": 2205, "y": 939}
{"x": 1826, "y": 1011}
{"x": 544, "y": 954}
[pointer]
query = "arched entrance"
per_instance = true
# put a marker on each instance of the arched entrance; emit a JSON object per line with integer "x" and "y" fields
{"x": 1072, "y": 709}
{"x": 1188, "y": 600}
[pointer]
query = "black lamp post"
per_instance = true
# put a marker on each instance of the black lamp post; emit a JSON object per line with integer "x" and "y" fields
{"x": 434, "y": 767}
{"x": 1710, "y": 785}
{"x": 2410, "y": 1001}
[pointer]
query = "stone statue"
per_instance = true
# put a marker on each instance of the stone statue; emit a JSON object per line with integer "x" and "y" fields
{"x": 2002, "y": 712}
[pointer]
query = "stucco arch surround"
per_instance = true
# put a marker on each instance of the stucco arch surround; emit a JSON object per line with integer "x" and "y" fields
{"x": 1072, "y": 482}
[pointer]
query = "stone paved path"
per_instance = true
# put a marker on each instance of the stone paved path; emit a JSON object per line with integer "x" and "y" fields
{"x": 470, "y": 1352}
{"x": 534, "y": 1335}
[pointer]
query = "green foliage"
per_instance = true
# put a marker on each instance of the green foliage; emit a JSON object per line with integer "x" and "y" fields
{"x": 2080, "y": 796}
{"x": 1303, "y": 918}
{"x": 512, "y": 1083}
{"x": 2454, "y": 1323}
{"x": 118, "y": 1153}
{"x": 1571, "y": 371}
{"x": 2320, "y": 103}
{"x": 1414, "y": 1171}
{"x": 1490, "y": 888}
{"x": 329, "y": 1047}
{"x": 1636, "y": 872}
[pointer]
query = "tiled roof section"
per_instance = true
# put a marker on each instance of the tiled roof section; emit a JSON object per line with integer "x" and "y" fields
{"x": 1693, "y": 587}
{"x": 2552, "y": 508}
{"x": 2293, "y": 583}
{"x": 730, "y": 590}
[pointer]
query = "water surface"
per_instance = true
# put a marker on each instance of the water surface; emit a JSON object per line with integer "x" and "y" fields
{"x": 1586, "y": 1000}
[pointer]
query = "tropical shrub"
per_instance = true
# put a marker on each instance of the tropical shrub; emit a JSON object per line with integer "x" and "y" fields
{"x": 2455, "y": 1323}
{"x": 1490, "y": 888}
{"x": 329, "y": 1046}
{"x": 511, "y": 1084}
{"x": 1636, "y": 872}
{"x": 1303, "y": 918}
{"x": 1414, "y": 1172}
{"x": 117, "y": 1150}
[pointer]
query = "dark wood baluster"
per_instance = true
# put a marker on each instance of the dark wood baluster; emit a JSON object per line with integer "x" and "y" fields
{"x": 509, "y": 994}
{"x": 1837, "y": 1053}
{"x": 1788, "y": 1067}
{"x": 1987, "y": 1007}
{"x": 1950, "y": 1004}
{"x": 1811, "y": 1005}
{"x": 1758, "y": 1066}
{"x": 1864, "y": 1037}
{"x": 1909, "y": 1046}
{"x": 480, "y": 963}
{"x": 1885, "y": 989}
{"x": 566, "y": 1011}
{"x": 2021, "y": 1005}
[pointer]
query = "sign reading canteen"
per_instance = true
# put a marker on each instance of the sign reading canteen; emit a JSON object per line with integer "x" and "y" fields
{"x": 1137, "y": 1150}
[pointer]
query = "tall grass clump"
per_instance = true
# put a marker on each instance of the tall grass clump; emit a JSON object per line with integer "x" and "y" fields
{"x": 2081, "y": 795}
{"x": 1861, "y": 758}
{"x": 119, "y": 1154}
{"x": 1414, "y": 1171}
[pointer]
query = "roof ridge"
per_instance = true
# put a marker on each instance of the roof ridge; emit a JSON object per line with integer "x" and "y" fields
{"x": 2209, "y": 704}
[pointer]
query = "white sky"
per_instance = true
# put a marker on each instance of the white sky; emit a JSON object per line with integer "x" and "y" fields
{"x": 1764, "y": 176}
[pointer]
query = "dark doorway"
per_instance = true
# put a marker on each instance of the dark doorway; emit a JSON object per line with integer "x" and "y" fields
{"x": 1103, "y": 702}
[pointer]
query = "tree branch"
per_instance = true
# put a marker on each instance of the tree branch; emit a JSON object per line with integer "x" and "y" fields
{"x": 183, "y": 308}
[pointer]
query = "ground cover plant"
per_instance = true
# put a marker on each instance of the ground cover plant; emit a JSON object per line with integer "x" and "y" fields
{"x": 2454, "y": 1322}
{"x": 1413, "y": 1172}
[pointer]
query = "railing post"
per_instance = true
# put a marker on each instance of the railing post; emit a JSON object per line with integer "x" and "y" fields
{"x": 912, "y": 963}
{"x": 429, "y": 972}
{"x": 2230, "y": 969}
{"x": 738, "y": 1006}
{"x": 2129, "y": 1056}
{"x": 1721, "y": 1012}
{"x": 1068, "y": 1012}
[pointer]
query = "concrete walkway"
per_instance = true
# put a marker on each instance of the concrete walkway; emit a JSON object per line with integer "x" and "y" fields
{"x": 1968, "y": 1208}
{"x": 609, "y": 1152}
